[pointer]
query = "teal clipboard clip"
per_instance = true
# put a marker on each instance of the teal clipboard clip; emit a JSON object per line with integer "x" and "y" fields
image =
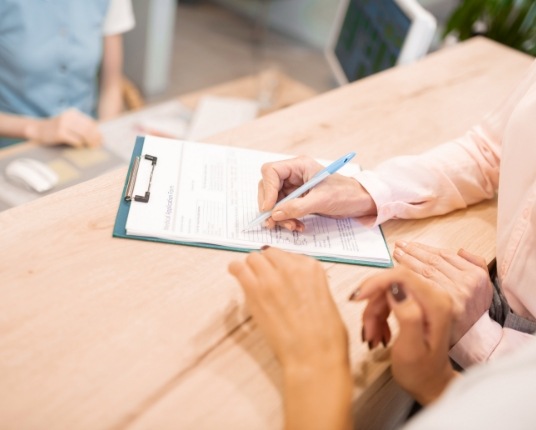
{"x": 134, "y": 175}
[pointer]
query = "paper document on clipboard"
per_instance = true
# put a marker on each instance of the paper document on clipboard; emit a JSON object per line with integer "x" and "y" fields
{"x": 204, "y": 195}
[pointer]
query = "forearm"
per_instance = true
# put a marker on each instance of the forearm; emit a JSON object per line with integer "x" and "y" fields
{"x": 318, "y": 399}
{"x": 451, "y": 176}
{"x": 16, "y": 126}
{"x": 110, "y": 102}
{"x": 435, "y": 387}
{"x": 111, "y": 77}
{"x": 448, "y": 177}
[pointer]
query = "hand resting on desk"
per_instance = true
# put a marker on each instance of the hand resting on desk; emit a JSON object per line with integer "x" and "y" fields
{"x": 463, "y": 275}
{"x": 289, "y": 298}
{"x": 71, "y": 127}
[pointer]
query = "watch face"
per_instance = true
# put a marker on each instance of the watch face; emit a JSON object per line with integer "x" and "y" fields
{"x": 371, "y": 37}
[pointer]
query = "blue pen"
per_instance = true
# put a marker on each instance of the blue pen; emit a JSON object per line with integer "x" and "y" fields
{"x": 315, "y": 180}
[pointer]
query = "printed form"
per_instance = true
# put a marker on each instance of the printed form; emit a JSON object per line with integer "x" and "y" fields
{"x": 203, "y": 193}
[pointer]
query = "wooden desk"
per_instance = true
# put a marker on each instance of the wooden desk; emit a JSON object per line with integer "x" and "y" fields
{"x": 103, "y": 333}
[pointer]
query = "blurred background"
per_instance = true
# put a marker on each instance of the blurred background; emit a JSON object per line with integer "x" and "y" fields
{"x": 186, "y": 45}
{"x": 196, "y": 68}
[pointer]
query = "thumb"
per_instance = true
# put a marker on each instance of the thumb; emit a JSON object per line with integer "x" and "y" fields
{"x": 268, "y": 189}
{"x": 411, "y": 337}
{"x": 299, "y": 207}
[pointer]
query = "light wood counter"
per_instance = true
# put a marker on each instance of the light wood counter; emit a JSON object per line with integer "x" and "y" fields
{"x": 105, "y": 333}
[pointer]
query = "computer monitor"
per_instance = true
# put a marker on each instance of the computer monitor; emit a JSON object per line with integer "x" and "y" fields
{"x": 369, "y": 36}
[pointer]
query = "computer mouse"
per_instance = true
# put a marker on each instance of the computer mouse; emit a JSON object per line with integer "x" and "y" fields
{"x": 31, "y": 174}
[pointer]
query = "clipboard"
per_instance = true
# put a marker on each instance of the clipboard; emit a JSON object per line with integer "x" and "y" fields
{"x": 125, "y": 202}
{"x": 151, "y": 165}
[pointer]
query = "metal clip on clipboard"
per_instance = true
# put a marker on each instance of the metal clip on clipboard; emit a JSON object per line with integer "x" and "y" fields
{"x": 132, "y": 180}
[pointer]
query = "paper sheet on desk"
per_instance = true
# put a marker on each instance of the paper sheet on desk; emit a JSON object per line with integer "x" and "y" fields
{"x": 168, "y": 119}
{"x": 203, "y": 193}
{"x": 216, "y": 114}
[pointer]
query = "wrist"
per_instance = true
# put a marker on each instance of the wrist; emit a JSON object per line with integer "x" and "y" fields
{"x": 320, "y": 376}
{"x": 432, "y": 392}
{"x": 319, "y": 369}
{"x": 364, "y": 204}
{"x": 317, "y": 397}
{"x": 333, "y": 360}
{"x": 31, "y": 129}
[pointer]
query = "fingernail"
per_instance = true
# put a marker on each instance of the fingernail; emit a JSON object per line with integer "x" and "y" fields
{"x": 363, "y": 334}
{"x": 384, "y": 342}
{"x": 398, "y": 292}
{"x": 289, "y": 226}
{"x": 370, "y": 345}
{"x": 398, "y": 252}
{"x": 354, "y": 294}
{"x": 264, "y": 247}
{"x": 401, "y": 243}
{"x": 278, "y": 215}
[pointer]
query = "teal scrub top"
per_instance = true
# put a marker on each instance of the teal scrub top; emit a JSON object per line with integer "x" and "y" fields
{"x": 50, "y": 54}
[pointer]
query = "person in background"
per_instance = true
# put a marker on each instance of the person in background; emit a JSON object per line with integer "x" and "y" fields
{"x": 496, "y": 155}
{"x": 60, "y": 69}
{"x": 289, "y": 298}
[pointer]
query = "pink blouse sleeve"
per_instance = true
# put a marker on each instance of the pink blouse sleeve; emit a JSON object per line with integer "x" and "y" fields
{"x": 486, "y": 340}
{"x": 448, "y": 177}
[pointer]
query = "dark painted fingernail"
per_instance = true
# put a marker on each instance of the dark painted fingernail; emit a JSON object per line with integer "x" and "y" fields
{"x": 354, "y": 294}
{"x": 398, "y": 292}
{"x": 370, "y": 345}
{"x": 363, "y": 334}
{"x": 264, "y": 247}
{"x": 384, "y": 342}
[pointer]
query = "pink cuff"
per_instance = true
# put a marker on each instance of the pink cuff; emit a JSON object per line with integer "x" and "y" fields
{"x": 477, "y": 345}
{"x": 380, "y": 193}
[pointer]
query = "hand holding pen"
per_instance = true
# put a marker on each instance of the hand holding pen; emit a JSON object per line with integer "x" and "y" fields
{"x": 336, "y": 196}
{"x": 302, "y": 189}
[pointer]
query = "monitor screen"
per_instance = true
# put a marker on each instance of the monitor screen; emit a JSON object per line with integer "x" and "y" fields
{"x": 372, "y": 35}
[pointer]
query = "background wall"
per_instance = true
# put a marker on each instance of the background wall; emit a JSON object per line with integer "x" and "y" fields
{"x": 307, "y": 20}
{"x": 311, "y": 20}
{"x": 148, "y": 47}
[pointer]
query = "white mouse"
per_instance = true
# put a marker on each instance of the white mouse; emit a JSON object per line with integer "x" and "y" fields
{"x": 32, "y": 174}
